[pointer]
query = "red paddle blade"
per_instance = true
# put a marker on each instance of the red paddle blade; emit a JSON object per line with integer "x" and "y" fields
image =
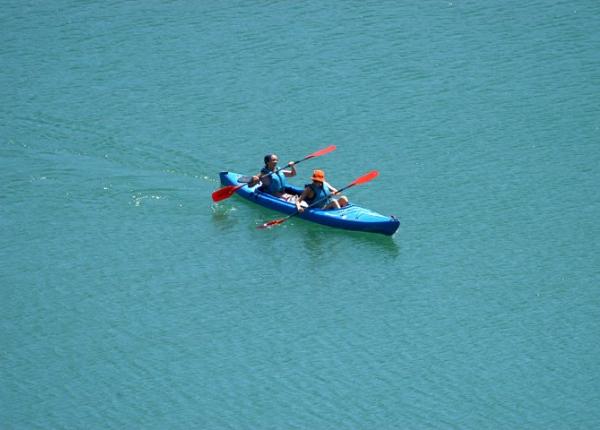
{"x": 365, "y": 178}
{"x": 225, "y": 192}
{"x": 321, "y": 152}
{"x": 272, "y": 223}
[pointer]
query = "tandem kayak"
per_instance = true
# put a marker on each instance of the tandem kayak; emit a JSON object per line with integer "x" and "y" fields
{"x": 350, "y": 217}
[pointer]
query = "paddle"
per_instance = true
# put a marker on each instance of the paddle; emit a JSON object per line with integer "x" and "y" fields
{"x": 363, "y": 179}
{"x": 228, "y": 190}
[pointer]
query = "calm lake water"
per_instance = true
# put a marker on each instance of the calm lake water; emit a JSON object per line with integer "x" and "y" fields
{"x": 129, "y": 300}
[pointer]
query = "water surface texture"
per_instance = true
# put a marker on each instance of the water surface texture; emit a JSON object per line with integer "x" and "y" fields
{"x": 129, "y": 300}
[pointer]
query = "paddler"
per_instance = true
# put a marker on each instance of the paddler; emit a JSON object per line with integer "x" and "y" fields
{"x": 321, "y": 193}
{"x": 274, "y": 182}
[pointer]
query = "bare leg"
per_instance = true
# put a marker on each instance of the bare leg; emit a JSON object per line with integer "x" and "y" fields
{"x": 333, "y": 205}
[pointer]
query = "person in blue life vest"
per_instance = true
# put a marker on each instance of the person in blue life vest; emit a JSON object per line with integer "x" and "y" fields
{"x": 320, "y": 193}
{"x": 274, "y": 182}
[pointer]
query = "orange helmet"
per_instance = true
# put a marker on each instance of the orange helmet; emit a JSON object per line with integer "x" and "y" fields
{"x": 318, "y": 175}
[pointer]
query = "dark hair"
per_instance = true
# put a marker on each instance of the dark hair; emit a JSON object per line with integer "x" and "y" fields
{"x": 268, "y": 158}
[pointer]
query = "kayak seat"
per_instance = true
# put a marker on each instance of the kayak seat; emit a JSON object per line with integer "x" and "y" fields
{"x": 293, "y": 190}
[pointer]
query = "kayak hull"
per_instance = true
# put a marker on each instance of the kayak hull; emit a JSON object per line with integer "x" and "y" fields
{"x": 351, "y": 217}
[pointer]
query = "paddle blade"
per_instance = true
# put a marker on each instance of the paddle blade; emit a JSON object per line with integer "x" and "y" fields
{"x": 365, "y": 178}
{"x": 272, "y": 223}
{"x": 225, "y": 192}
{"x": 321, "y": 152}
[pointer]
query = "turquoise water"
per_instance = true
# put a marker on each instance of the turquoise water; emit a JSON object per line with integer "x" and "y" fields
{"x": 129, "y": 300}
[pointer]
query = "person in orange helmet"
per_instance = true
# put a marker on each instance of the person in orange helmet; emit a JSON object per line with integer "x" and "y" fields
{"x": 320, "y": 193}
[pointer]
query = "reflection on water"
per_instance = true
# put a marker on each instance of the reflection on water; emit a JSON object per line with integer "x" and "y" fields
{"x": 319, "y": 240}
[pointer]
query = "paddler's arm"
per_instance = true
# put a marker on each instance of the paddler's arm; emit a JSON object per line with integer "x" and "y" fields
{"x": 290, "y": 173}
{"x": 253, "y": 181}
{"x": 266, "y": 180}
{"x": 300, "y": 199}
{"x": 331, "y": 188}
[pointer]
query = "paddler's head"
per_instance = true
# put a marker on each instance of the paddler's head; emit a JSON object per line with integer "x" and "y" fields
{"x": 318, "y": 176}
{"x": 271, "y": 160}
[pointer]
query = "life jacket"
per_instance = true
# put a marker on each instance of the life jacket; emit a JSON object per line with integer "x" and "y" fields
{"x": 278, "y": 182}
{"x": 322, "y": 195}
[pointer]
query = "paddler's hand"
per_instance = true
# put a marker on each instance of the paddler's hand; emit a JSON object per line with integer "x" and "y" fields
{"x": 299, "y": 208}
{"x": 292, "y": 166}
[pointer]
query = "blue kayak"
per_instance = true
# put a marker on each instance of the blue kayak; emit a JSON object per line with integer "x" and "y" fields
{"x": 350, "y": 217}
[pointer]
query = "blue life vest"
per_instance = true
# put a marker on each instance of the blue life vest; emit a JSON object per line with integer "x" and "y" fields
{"x": 322, "y": 195}
{"x": 278, "y": 182}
